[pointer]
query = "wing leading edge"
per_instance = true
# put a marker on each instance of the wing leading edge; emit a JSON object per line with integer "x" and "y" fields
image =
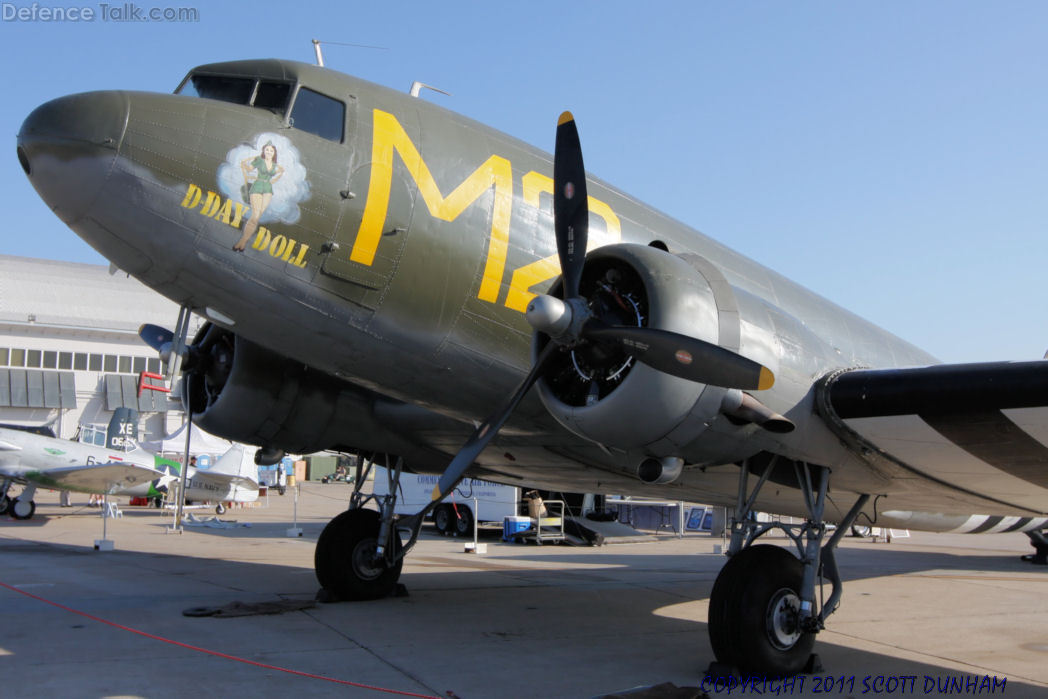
{"x": 977, "y": 428}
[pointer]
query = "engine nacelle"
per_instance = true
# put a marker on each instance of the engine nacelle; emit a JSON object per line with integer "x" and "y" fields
{"x": 243, "y": 392}
{"x": 607, "y": 396}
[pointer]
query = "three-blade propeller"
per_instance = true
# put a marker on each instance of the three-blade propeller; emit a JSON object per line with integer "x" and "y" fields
{"x": 570, "y": 323}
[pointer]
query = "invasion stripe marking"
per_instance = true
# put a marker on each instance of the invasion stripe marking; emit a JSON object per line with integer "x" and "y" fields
{"x": 1023, "y": 521}
{"x": 998, "y": 441}
{"x": 990, "y": 523}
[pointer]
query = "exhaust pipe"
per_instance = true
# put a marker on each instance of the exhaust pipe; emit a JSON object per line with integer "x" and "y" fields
{"x": 658, "y": 471}
{"x": 742, "y": 408}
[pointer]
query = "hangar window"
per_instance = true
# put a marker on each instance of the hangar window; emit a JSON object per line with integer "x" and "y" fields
{"x": 125, "y": 365}
{"x": 5, "y": 355}
{"x": 154, "y": 365}
{"x": 50, "y": 359}
{"x": 96, "y": 362}
{"x": 17, "y": 357}
{"x": 32, "y": 359}
{"x": 80, "y": 361}
{"x": 318, "y": 114}
{"x": 109, "y": 363}
{"x": 65, "y": 360}
{"x": 139, "y": 365}
{"x": 219, "y": 87}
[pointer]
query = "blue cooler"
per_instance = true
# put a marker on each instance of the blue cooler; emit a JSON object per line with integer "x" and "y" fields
{"x": 512, "y": 526}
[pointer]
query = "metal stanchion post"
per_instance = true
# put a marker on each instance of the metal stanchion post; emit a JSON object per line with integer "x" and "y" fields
{"x": 295, "y": 530}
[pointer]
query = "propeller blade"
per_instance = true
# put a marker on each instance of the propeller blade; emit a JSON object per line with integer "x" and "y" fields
{"x": 686, "y": 357}
{"x": 570, "y": 207}
{"x": 156, "y": 337}
{"x": 490, "y": 427}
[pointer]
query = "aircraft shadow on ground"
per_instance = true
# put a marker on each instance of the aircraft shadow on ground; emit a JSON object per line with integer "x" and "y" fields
{"x": 576, "y": 584}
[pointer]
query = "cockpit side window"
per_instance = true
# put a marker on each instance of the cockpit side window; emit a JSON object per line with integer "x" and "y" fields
{"x": 318, "y": 114}
{"x": 219, "y": 87}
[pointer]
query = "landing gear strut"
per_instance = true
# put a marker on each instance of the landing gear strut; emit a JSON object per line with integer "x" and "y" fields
{"x": 360, "y": 553}
{"x": 5, "y": 502}
{"x": 763, "y": 613}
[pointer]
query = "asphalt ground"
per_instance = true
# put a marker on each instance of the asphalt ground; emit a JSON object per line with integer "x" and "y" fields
{"x": 518, "y": 621}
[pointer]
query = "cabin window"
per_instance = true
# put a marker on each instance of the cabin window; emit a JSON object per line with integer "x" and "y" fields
{"x": 318, "y": 114}
{"x": 218, "y": 87}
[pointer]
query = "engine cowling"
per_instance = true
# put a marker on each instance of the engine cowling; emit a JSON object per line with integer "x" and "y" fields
{"x": 243, "y": 392}
{"x": 605, "y": 395}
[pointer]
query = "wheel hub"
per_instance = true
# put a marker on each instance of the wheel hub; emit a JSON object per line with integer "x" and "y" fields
{"x": 364, "y": 563}
{"x": 783, "y": 619}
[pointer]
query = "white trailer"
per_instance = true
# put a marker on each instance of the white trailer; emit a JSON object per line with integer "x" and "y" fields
{"x": 455, "y": 515}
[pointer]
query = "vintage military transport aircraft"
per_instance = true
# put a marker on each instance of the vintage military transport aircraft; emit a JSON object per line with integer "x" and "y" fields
{"x": 381, "y": 273}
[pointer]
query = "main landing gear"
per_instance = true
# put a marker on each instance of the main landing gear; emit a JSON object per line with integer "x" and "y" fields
{"x": 360, "y": 553}
{"x": 763, "y": 613}
{"x": 19, "y": 507}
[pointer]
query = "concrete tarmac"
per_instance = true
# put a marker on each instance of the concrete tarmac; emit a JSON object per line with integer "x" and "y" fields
{"x": 519, "y": 621}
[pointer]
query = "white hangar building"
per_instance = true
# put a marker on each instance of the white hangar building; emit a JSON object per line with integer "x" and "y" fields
{"x": 69, "y": 347}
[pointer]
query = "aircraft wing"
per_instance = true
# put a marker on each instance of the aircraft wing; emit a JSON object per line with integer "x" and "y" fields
{"x": 978, "y": 428}
{"x": 224, "y": 480}
{"x": 96, "y": 478}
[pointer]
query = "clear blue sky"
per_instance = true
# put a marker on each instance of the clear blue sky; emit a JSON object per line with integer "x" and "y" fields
{"x": 889, "y": 155}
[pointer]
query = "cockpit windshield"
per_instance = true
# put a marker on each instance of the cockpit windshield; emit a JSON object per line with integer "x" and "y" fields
{"x": 311, "y": 112}
{"x": 219, "y": 87}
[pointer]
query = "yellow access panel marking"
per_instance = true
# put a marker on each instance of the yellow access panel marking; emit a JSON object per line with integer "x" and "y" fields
{"x": 535, "y": 184}
{"x": 389, "y": 136}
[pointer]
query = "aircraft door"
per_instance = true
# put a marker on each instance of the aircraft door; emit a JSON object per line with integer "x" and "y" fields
{"x": 364, "y": 250}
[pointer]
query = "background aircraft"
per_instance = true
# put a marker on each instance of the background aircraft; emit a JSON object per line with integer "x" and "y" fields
{"x": 34, "y": 457}
{"x": 232, "y": 478}
{"x": 381, "y": 273}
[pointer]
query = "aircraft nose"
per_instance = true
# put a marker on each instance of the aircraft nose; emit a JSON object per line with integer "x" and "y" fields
{"x": 67, "y": 148}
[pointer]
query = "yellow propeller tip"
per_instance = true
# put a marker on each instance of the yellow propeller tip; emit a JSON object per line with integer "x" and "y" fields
{"x": 565, "y": 118}
{"x": 436, "y": 492}
{"x": 766, "y": 379}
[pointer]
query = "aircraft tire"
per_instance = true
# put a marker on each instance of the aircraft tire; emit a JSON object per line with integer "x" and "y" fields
{"x": 21, "y": 509}
{"x": 342, "y": 559}
{"x": 749, "y": 621}
{"x": 5, "y": 505}
{"x": 860, "y": 531}
{"x": 442, "y": 516}
{"x": 220, "y": 509}
{"x": 462, "y": 520}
